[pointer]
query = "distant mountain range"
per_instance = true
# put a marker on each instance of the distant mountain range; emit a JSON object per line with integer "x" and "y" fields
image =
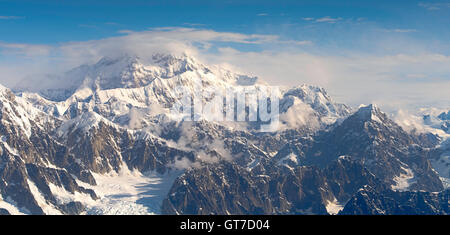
{"x": 101, "y": 139}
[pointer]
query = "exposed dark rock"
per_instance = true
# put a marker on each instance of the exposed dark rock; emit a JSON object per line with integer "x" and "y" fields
{"x": 227, "y": 188}
{"x": 4, "y": 212}
{"x": 369, "y": 201}
{"x": 73, "y": 208}
{"x": 379, "y": 143}
{"x": 355, "y": 161}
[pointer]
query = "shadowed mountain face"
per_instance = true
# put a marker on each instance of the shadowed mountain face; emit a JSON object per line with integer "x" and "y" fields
{"x": 29, "y": 159}
{"x": 394, "y": 156}
{"x": 227, "y": 188}
{"x": 365, "y": 149}
{"x": 369, "y": 201}
{"x": 69, "y": 147}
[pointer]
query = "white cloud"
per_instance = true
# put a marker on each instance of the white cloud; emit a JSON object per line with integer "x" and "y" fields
{"x": 60, "y": 57}
{"x": 11, "y": 17}
{"x": 434, "y": 6}
{"x": 194, "y": 24}
{"x": 409, "y": 122}
{"x": 25, "y": 49}
{"x": 328, "y": 19}
{"x": 164, "y": 40}
{"x": 401, "y": 30}
{"x": 299, "y": 115}
{"x": 112, "y": 23}
{"x": 391, "y": 79}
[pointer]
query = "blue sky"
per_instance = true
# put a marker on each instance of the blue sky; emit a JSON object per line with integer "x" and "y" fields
{"x": 343, "y": 22}
{"x": 394, "y": 53}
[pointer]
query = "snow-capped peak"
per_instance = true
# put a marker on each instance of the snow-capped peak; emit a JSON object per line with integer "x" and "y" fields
{"x": 127, "y": 71}
{"x": 318, "y": 99}
{"x": 84, "y": 122}
{"x": 371, "y": 112}
{"x": 20, "y": 114}
{"x": 125, "y": 59}
{"x": 444, "y": 116}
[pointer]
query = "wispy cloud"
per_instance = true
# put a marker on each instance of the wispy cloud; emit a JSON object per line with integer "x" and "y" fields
{"x": 325, "y": 19}
{"x": 207, "y": 36}
{"x": 11, "y": 17}
{"x": 434, "y": 6}
{"x": 194, "y": 24}
{"x": 400, "y": 30}
{"x": 308, "y": 18}
{"x": 174, "y": 40}
{"x": 389, "y": 79}
{"x": 392, "y": 81}
{"x": 112, "y": 23}
{"x": 25, "y": 49}
{"x": 262, "y": 14}
{"x": 328, "y": 19}
{"x": 91, "y": 26}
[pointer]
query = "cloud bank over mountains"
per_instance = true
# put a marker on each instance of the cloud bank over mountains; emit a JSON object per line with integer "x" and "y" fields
{"x": 411, "y": 79}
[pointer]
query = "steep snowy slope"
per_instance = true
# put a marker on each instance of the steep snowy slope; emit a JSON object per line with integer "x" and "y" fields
{"x": 45, "y": 160}
{"x": 123, "y": 88}
{"x": 439, "y": 124}
{"x": 393, "y": 155}
{"x": 101, "y": 139}
{"x": 29, "y": 160}
{"x": 114, "y": 116}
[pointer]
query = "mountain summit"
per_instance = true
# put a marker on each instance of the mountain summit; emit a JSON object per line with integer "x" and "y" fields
{"x": 126, "y": 71}
{"x": 101, "y": 139}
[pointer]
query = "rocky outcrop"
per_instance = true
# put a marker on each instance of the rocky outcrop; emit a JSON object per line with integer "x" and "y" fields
{"x": 114, "y": 115}
{"x": 389, "y": 152}
{"x": 369, "y": 201}
{"x": 30, "y": 156}
{"x": 227, "y": 188}
{"x": 4, "y": 212}
{"x": 73, "y": 208}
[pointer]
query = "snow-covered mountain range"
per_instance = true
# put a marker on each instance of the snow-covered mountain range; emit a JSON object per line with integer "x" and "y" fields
{"x": 101, "y": 139}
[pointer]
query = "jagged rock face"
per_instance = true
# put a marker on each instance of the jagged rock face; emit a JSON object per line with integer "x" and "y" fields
{"x": 368, "y": 201}
{"x": 29, "y": 155}
{"x": 16, "y": 177}
{"x": 346, "y": 176}
{"x": 73, "y": 208}
{"x": 246, "y": 148}
{"x": 444, "y": 116}
{"x": 35, "y": 161}
{"x": 4, "y": 212}
{"x": 316, "y": 97}
{"x": 14, "y": 186}
{"x": 227, "y": 188}
{"x": 109, "y": 73}
{"x": 384, "y": 148}
{"x": 441, "y": 121}
{"x": 119, "y": 88}
{"x": 151, "y": 155}
{"x": 440, "y": 158}
{"x": 101, "y": 147}
{"x": 115, "y": 115}
{"x": 445, "y": 125}
{"x": 243, "y": 147}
